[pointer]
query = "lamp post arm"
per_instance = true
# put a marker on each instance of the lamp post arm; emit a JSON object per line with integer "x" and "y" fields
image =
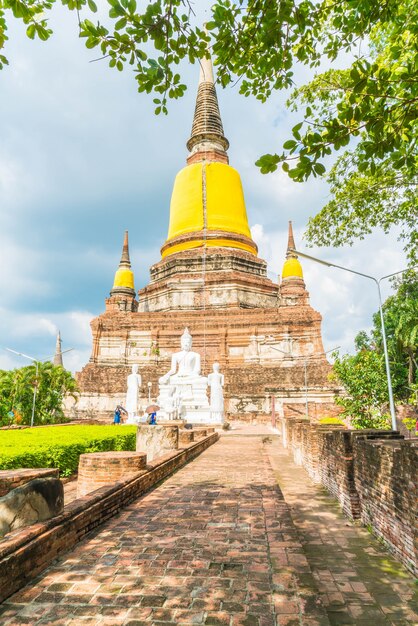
{"x": 328, "y": 264}
{"x": 31, "y": 358}
{"x": 398, "y": 272}
{"x": 48, "y": 358}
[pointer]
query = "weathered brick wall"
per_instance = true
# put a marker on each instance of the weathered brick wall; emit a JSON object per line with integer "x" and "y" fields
{"x": 371, "y": 473}
{"x": 23, "y": 555}
{"x": 386, "y": 481}
{"x": 336, "y": 468}
{"x": 10, "y": 479}
{"x": 103, "y": 468}
{"x": 186, "y": 437}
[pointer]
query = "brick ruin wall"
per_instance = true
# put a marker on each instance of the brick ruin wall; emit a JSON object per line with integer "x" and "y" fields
{"x": 248, "y": 391}
{"x": 255, "y": 369}
{"x": 372, "y": 474}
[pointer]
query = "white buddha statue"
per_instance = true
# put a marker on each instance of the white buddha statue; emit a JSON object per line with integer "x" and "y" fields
{"x": 133, "y": 384}
{"x": 216, "y": 381}
{"x": 185, "y": 365}
{"x": 183, "y": 390}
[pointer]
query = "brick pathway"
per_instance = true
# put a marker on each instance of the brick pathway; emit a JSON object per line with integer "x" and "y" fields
{"x": 214, "y": 544}
{"x": 359, "y": 582}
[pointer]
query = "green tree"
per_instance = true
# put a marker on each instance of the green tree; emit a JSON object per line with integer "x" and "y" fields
{"x": 401, "y": 323}
{"x": 374, "y": 102}
{"x": 364, "y": 379}
{"x": 364, "y": 376}
{"x": 17, "y": 390}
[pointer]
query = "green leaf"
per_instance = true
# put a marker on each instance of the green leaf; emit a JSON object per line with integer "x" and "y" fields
{"x": 290, "y": 144}
{"x": 121, "y": 23}
{"x": 30, "y": 31}
{"x": 319, "y": 169}
{"x": 296, "y": 129}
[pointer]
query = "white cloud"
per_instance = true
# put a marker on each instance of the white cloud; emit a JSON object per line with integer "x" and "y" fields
{"x": 35, "y": 335}
{"x": 346, "y": 302}
{"x": 83, "y": 158}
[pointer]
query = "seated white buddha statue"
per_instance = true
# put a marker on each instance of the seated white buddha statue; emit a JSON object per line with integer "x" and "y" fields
{"x": 185, "y": 365}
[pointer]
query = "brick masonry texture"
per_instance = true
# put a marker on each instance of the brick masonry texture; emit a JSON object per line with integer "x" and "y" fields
{"x": 10, "y": 479}
{"x": 25, "y": 554}
{"x": 217, "y": 543}
{"x": 242, "y": 307}
{"x": 386, "y": 481}
{"x": 372, "y": 474}
{"x": 359, "y": 582}
{"x": 104, "y": 468}
{"x": 214, "y": 544}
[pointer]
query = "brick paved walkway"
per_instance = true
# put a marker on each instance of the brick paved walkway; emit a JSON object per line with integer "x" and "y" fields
{"x": 215, "y": 544}
{"x": 358, "y": 580}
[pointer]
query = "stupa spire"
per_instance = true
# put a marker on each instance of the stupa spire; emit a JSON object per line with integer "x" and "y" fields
{"x": 58, "y": 351}
{"x": 124, "y": 276}
{"x": 292, "y": 267}
{"x": 207, "y": 141}
{"x": 125, "y": 261}
{"x": 290, "y": 242}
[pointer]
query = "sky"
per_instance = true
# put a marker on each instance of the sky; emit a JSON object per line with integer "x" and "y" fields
{"x": 83, "y": 157}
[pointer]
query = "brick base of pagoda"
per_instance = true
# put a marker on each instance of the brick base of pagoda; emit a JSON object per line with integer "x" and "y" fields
{"x": 236, "y": 316}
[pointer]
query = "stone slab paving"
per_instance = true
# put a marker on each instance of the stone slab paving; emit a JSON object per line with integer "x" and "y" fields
{"x": 359, "y": 582}
{"x": 214, "y": 544}
{"x": 248, "y": 429}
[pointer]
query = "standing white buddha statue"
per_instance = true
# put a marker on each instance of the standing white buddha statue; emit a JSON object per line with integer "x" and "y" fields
{"x": 216, "y": 382}
{"x": 131, "y": 404}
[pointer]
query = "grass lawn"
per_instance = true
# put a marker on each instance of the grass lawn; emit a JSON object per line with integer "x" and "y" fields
{"x": 60, "y": 446}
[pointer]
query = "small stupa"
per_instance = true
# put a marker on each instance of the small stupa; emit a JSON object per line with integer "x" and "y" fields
{"x": 58, "y": 351}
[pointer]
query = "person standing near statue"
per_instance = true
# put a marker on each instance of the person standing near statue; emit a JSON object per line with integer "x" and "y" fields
{"x": 216, "y": 382}
{"x": 118, "y": 414}
{"x": 134, "y": 382}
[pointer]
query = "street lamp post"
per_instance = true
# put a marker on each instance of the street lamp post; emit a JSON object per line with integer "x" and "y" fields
{"x": 377, "y": 282}
{"x": 149, "y": 392}
{"x": 36, "y": 363}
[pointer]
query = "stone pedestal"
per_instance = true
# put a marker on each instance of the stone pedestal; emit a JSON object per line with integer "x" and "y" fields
{"x": 104, "y": 468}
{"x": 156, "y": 440}
{"x": 190, "y": 397}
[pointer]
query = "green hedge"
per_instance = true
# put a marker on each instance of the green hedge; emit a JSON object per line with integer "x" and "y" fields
{"x": 60, "y": 446}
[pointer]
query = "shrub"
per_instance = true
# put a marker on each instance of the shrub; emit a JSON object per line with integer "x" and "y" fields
{"x": 410, "y": 423}
{"x": 331, "y": 420}
{"x": 61, "y": 446}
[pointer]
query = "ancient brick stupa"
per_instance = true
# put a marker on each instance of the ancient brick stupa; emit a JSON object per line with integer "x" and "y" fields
{"x": 265, "y": 335}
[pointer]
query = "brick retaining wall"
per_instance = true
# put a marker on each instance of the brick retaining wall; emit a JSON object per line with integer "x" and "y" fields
{"x": 386, "y": 482}
{"x": 372, "y": 473}
{"x": 24, "y": 554}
